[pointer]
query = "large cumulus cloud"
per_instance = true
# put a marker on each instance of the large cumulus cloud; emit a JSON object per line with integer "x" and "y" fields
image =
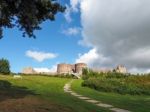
{"x": 119, "y": 30}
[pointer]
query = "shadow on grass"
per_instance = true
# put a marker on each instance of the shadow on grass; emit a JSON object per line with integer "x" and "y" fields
{"x": 9, "y": 91}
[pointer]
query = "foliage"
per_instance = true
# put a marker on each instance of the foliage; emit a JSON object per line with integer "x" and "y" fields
{"x": 86, "y": 73}
{"x": 134, "y": 103}
{"x": 27, "y": 15}
{"x": 4, "y": 66}
{"x": 118, "y": 82}
{"x": 66, "y": 76}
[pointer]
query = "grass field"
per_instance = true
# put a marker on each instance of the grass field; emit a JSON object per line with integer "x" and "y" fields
{"x": 135, "y": 103}
{"x": 40, "y": 94}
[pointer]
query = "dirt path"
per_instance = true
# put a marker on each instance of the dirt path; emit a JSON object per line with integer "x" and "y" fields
{"x": 67, "y": 89}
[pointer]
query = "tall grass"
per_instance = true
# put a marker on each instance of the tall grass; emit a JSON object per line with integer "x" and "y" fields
{"x": 117, "y": 82}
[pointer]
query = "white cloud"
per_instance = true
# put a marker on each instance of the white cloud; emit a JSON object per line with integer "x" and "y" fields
{"x": 39, "y": 70}
{"x": 118, "y": 29}
{"x": 92, "y": 57}
{"x": 74, "y": 5}
{"x": 72, "y": 8}
{"x": 40, "y": 56}
{"x": 72, "y": 31}
{"x": 88, "y": 57}
{"x": 67, "y": 14}
{"x": 53, "y": 69}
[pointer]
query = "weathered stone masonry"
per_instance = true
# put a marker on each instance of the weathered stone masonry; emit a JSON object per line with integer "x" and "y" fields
{"x": 68, "y": 68}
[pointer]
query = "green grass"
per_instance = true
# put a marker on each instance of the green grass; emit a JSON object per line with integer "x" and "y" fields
{"x": 117, "y": 82}
{"x": 51, "y": 89}
{"x": 135, "y": 103}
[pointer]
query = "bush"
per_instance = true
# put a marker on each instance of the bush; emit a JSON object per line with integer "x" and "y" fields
{"x": 117, "y": 82}
{"x": 4, "y": 66}
{"x": 87, "y": 73}
{"x": 66, "y": 76}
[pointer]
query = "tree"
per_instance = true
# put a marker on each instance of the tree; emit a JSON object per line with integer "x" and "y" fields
{"x": 4, "y": 66}
{"x": 27, "y": 15}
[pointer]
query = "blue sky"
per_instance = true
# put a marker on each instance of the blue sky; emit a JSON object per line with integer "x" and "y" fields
{"x": 51, "y": 39}
{"x": 101, "y": 33}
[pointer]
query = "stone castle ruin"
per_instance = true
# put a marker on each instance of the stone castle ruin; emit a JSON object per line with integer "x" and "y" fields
{"x": 28, "y": 70}
{"x": 120, "y": 69}
{"x": 70, "y": 69}
{"x": 75, "y": 69}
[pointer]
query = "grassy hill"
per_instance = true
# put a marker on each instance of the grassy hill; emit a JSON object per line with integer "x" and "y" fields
{"x": 45, "y": 94}
{"x": 40, "y": 94}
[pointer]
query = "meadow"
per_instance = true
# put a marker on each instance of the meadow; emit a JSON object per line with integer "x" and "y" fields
{"x": 40, "y": 94}
{"x": 46, "y": 94}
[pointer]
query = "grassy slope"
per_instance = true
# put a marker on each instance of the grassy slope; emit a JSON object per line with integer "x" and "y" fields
{"x": 51, "y": 89}
{"x": 133, "y": 103}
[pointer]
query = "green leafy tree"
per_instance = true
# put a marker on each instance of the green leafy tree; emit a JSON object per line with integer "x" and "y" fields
{"x": 27, "y": 15}
{"x": 4, "y": 66}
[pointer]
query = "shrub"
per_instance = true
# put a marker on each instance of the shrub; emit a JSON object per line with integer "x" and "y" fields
{"x": 119, "y": 83}
{"x": 66, "y": 76}
{"x": 87, "y": 73}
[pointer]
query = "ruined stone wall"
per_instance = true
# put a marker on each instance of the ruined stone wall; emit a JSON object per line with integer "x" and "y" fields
{"x": 79, "y": 67}
{"x": 73, "y": 68}
{"x": 102, "y": 70}
{"x": 28, "y": 70}
{"x": 121, "y": 69}
{"x": 64, "y": 68}
{"x": 67, "y": 68}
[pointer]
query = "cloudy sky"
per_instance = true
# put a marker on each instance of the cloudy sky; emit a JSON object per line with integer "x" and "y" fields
{"x": 101, "y": 33}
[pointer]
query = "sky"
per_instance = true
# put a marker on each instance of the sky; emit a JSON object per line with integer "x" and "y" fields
{"x": 101, "y": 33}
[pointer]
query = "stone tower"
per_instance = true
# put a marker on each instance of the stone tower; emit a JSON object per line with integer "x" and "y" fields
{"x": 79, "y": 67}
{"x": 64, "y": 68}
{"x": 68, "y": 68}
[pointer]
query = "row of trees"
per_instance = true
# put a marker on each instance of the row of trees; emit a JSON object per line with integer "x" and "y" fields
{"x": 4, "y": 66}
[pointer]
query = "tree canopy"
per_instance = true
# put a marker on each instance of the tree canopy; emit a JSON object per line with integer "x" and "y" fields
{"x": 27, "y": 15}
{"x": 4, "y": 66}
